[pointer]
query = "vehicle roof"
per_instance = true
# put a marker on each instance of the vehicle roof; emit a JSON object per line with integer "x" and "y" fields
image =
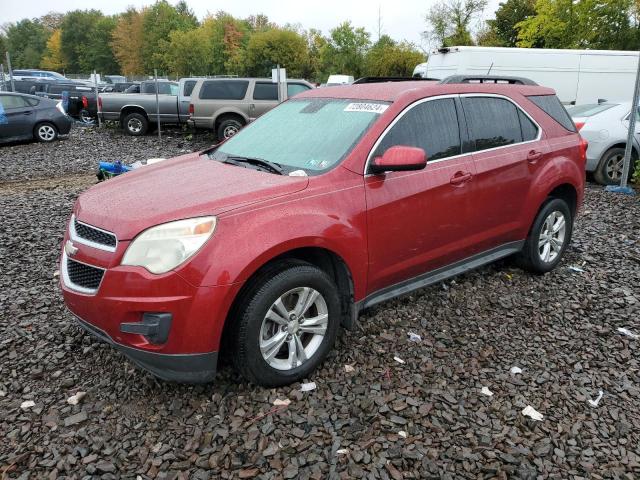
{"x": 393, "y": 91}
{"x": 18, "y": 94}
{"x": 261, "y": 79}
{"x": 549, "y": 51}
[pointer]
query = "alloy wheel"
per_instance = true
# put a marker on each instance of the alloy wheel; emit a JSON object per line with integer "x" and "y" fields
{"x": 293, "y": 328}
{"x": 552, "y": 236}
{"x": 134, "y": 125}
{"x": 230, "y": 131}
{"x": 615, "y": 166}
{"x": 46, "y": 132}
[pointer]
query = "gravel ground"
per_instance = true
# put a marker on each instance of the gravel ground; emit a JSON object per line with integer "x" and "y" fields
{"x": 424, "y": 418}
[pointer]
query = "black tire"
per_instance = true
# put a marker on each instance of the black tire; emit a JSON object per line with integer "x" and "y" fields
{"x": 228, "y": 128}
{"x": 244, "y": 347}
{"x": 609, "y": 171}
{"x": 45, "y": 132}
{"x": 86, "y": 117}
{"x": 530, "y": 256}
{"x": 135, "y": 124}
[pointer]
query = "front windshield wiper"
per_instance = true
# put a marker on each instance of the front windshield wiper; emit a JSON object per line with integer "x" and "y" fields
{"x": 273, "y": 166}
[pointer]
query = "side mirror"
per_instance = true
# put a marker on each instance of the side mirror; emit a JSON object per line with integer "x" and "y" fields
{"x": 399, "y": 158}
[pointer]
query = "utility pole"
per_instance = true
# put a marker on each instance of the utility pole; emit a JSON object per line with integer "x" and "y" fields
{"x": 13, "y": 87}
{"x": 155, "y": 76}
{"x": 95, "y": 86}
{"x": 379, "y": 22}
{"x": 623, "y": 188}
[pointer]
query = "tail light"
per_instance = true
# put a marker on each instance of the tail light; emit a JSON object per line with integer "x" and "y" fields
{"x": 579, "y": 125}
{"x": 191, "y": 109}
{"x": 99, "y": 102}
{"x": 85, "y": 102}
{"x": 583, "y": 150}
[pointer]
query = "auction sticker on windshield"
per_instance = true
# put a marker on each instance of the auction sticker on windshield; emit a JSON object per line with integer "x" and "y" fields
{"x": 366, "y": 107}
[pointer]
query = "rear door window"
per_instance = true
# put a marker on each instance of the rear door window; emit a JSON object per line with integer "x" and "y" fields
{"x": 265, "y": 91}
{"x": 432, "y": 126}
{"x": 552, "y": 107}
{"x": 224, "y": 90}
{"x": 493, "y": 122}
{"x": 188, "y": 87}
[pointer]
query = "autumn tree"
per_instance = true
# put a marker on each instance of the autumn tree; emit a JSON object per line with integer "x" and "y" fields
{"x": 126, "y": 42}
{"x": 267, "y": 49}
{"x": 503, "y": 26}
{"x": 53, "y": 59}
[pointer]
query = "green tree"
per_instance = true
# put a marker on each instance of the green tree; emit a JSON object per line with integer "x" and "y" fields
{"x": 388, "y": 58}
{"x": 450, "y": 21}
{"x": 158, "y": 22}
{"x": 508, "y": 15}
{"x": 96, "y": 53}
{"x": 78, "y": 28}
{"x": 316, "y": 42}
{"x": 276, "y": 46}
{"x": 26, "y": 41}
{"x": 189, "y": 53}
{"x": 345, "y": 50}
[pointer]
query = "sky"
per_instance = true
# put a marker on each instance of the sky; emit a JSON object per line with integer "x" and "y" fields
{"x": 401, "y": 19}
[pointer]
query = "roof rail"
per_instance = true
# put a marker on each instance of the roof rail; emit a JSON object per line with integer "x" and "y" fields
{"x": 390, "y": 79}
{"x": 488, "y": 79}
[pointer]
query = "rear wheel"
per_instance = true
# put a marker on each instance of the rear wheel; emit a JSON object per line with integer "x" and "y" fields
{"x": 135, "y": 124}
{"x": 86, "y": 117}
{"x": 286, "y": 326}
{"x": 46, "y": 132}
{"x": 228, "y": 128}
{"x": 548, "y": 238}
{"x": 611, "y": 166}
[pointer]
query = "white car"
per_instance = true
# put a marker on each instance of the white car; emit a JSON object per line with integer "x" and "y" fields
{"x": 605, "y": 126}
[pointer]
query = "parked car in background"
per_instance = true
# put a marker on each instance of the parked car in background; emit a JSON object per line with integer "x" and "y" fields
{"x": 121, "y": 87}
{"x": 335, "y": 80}
{"x": 137, "y": 112}
{"x": 225, "y": 105}
{"x": 606, "y": 127}
{"x": 80, "y": 102}
{"x": 24, "y": 117}
{"x": 332, "y": 202}
{"x": 44, "y": 74}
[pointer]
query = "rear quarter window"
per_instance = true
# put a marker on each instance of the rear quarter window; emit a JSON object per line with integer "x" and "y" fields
{"x": 224, "y": 90}
{"x": 552, "y": 107}
{"x": 188, "y": 87}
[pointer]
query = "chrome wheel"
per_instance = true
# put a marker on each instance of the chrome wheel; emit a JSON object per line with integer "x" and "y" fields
{"x": 615, "y": 166}
{"x": 85, "y": 117}
{"x": 134, "y": 125}
{"x": 230, "y": 131}
{"x": 46, "y": 133}
{"x": 552, "y": 236}
{"x": 293, "y": 328}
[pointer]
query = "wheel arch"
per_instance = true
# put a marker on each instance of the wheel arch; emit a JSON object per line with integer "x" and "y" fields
{"x": 226, "y": 114}
{"x": 323, "y": 258}
{"x": 127, "y": 109}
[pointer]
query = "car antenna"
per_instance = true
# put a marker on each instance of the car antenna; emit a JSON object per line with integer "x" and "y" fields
{"x": 489, "y": 71}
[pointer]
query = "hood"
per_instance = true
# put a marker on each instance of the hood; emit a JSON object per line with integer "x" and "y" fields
{"x": 183, "y": 187}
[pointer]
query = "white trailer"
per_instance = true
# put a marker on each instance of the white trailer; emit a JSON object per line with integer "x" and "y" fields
{"x": 577, "y": 76}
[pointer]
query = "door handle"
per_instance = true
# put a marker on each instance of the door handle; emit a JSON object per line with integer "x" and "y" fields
{"x": 460, "y": 177}
{"x": 28, "y": 113}
{"x": 533, "y": 156}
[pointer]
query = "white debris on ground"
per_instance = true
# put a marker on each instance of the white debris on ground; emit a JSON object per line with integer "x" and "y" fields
{"x": 573, "y": 268}
{"x": 349, "y": 368}
{"x": 403, "y": 434}
{"x": 399, "y": 360}
{"x": 594, "y": 403}
{"x": 486, "y": 391}
{"x": 531, "y": 412}
{"x": 414, "y": 337}
{"x": 281, "y": 403}
{"x": 515, "y": 370}
{"x": 307, "y": 387}
{"x": 76, "y": 399}
{"x": 27, "y": 404}
{"x": 628, "y": 333}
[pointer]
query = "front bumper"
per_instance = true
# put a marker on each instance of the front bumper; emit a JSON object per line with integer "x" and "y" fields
{"x": 184, "y": 368}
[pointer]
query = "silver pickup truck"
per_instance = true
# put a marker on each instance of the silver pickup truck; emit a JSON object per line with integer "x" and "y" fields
{"x": 137, "y": 112}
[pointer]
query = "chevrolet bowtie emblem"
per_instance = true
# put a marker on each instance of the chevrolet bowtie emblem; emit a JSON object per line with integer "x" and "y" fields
{"x": 70, "y": 249}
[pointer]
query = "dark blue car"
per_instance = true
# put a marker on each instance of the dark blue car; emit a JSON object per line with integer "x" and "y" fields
{"x": 24, "y": 117}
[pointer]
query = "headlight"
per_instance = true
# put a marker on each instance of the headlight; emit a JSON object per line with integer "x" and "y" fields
{"x": 164, "y": 247}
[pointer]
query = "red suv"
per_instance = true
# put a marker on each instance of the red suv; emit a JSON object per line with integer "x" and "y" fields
{"x": 334, "y": 201}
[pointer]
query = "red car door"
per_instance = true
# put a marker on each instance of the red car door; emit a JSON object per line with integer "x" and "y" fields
{"x": 508, "y": 150}
{"x": 417, "y": 221}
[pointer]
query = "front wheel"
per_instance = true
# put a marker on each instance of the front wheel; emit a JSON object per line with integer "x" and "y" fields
{"x": 135, "y": 124}
{"x": 548, "y": 238}
{"x": 286, "y": 327}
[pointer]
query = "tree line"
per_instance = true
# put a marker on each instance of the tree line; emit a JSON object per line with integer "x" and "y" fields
{"x": 171, "y": 39}
{"x": 580, "y": 24}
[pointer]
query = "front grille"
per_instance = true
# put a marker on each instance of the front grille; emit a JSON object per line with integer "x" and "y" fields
{"x": 84, "y": 276}
{"x": 92, "y": 234}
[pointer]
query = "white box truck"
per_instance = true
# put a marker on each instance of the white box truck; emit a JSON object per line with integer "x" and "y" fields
{"x": 577, "y": 76}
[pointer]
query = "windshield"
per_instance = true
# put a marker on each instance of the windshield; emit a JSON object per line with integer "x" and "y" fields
{"x": 312, "y": 134}
{"x": 589, "y": 110}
